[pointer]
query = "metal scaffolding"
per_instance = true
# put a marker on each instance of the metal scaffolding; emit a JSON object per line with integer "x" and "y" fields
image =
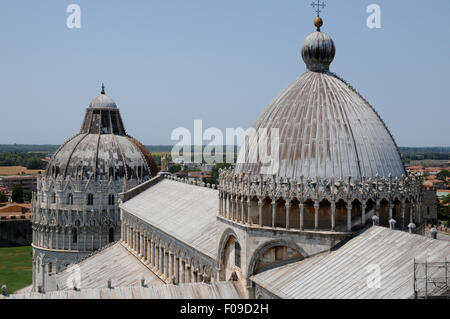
{"x": 431, "y": 279}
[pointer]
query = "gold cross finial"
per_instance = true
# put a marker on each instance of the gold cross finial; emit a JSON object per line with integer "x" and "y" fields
{"x": 318, "y": 5}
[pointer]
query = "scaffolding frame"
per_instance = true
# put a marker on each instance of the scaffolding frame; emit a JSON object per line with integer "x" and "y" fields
{"x": 431, "y": 279}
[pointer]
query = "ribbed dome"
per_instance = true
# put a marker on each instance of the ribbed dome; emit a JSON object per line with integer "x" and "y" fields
{"x": 102, "y": 149}
{"x": 102, "y": 156}
{"x": 326, "y": 128}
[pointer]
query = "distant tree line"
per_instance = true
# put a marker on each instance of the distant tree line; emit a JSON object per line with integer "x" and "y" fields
{"x": 29, "y": 160}
{"x": 424, "y": 153}
{"x": 20, "y": 148}
{"x": 27, "y": 155}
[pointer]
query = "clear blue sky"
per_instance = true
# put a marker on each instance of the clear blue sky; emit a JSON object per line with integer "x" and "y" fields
{"x": 169, "y": 62}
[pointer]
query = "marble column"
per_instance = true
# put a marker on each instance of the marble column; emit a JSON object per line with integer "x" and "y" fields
{"x": 233, "y": 207}
{"x": 161, "y": 259}
{"x": 364, "y": 207}
{"x": 182, "y": 271}
{"x": 227, "y": 206}
{"x": 149, "y": 251}
{"x": 403, "y": 213}
{"x": 288, "y": 214}
{"x": 249, "y": 211}
{"x": 177, "y": 269}
{"x": 274, "y": 212}
{"x": 333, "y": 215}
{"x": 70, "y": 239}
{"x": 302, "y": 215}
{"x": 242, "y": 220}
{"x": 157, "y": 262}
{"x": 172, "y": 264}
{"x": 316, "y": 215}
{"x": 260, "y": 211}
{"x": 152, "y": 254}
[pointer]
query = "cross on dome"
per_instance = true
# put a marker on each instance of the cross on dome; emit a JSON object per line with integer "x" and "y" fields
{"x": 318, "y": 5}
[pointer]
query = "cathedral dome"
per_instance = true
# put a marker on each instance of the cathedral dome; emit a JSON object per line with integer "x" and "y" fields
{"x": 326, "y": 128}
{"x": 102, "y": 150}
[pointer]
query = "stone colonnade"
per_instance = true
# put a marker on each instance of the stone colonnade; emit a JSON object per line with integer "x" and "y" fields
{"x": 321, "y": 204}
{"x": 171, "y": 260}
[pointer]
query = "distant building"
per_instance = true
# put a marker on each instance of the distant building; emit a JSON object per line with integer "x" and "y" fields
{"x": 442, "y": 192}
{"x": 28, "y": 182}
{"x": 15, "y": 225}
{"x": 201, "y": 176}
{"x": 430, "y": 206}
{"x": 15, "y": 211}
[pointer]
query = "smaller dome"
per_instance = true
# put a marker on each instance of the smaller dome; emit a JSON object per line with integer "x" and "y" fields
{"x": 103, "y": 101}
{"x": 318, "y": 51}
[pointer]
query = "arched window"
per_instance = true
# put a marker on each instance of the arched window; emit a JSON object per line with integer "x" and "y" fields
{"x": 90, "y": 199}
{"x": 74, "y": 236}
{"x": 237, "y": 254}
{"x": 53, "y": 199}
{"x": 70, "y": 199}
{"x": 50, "y": 268}
{"x": 111, "y": 235}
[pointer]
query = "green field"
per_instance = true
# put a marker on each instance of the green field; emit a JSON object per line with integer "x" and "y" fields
{"x": 15, "y": 267}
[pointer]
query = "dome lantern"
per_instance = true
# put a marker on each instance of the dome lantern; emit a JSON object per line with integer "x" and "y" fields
{"x": 318, "y": 49}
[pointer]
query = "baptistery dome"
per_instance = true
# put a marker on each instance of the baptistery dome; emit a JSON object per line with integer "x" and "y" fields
{"x": 102, "y": 150}
{"x": 326, "y": 128}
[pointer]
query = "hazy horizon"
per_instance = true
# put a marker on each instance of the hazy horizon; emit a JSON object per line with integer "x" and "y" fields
{"x": 168, "y": 63}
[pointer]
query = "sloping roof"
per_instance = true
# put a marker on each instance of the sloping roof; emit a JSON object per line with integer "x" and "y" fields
{"x": 183, "y": 211}
{"x": 344, "y": 273}
{"x": 113, "y": 263}
{"x": 15, "y": 208}
{"x": 220, "y": 290}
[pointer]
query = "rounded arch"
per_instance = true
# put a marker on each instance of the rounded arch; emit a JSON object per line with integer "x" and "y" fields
{"x": 223, "y": 240}
{"x": 259, "y": 252}
{"x": 226, "y": 262}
